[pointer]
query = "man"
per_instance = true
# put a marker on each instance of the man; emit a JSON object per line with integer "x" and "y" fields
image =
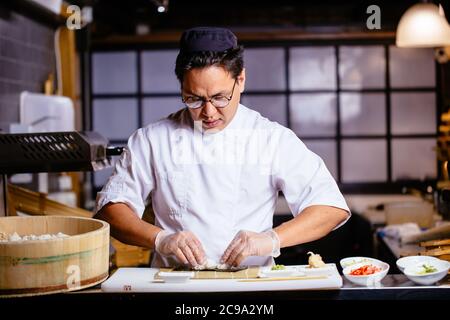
{"x": 213, "y": 171}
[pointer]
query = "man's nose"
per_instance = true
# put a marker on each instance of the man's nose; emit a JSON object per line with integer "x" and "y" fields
{"x": 208, "y": 109}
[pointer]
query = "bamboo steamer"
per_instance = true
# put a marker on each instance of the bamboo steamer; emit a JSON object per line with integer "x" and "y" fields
{"x": 55, "y": 265}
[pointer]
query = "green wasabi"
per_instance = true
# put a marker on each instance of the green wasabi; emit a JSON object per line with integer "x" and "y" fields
{"x": 278, "y": 267}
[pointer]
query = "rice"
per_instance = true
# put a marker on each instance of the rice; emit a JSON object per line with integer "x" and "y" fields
{"x": 15, "y": 237}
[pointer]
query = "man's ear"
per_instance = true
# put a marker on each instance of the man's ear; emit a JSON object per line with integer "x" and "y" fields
{"x": 241, "y": 80}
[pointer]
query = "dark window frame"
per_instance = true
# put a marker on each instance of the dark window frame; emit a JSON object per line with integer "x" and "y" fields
{"x": 389, "y": 187}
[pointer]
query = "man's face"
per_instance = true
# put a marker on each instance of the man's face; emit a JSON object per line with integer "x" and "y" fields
{"x": 211, "y": 82}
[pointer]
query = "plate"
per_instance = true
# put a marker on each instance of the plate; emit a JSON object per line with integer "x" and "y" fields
{"x": 325, "y": 270}
{"x": 176, "y": 277}
{"x": 286, "y": 272}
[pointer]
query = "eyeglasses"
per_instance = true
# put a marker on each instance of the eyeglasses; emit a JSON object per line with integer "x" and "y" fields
{"x": 217, "y": 101}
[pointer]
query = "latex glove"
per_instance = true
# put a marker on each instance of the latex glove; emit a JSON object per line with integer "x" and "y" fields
{"x": 184, "y": 245}
{"x": 248, "y": 243}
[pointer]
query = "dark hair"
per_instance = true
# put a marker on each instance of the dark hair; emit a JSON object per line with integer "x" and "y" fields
{"x": 232, "y": 60}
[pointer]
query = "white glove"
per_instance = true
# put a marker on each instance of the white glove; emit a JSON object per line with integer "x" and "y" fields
{"x": 248, "y": 243}
{"x": 184, "y": 245}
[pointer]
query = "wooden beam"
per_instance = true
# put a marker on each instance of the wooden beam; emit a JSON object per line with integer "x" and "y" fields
{"x": 270, "y": 35}
{"x": 68, "y": 85}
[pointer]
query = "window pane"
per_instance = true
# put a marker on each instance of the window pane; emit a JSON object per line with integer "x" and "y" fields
{"x": 272, "y": 107}
{"x": 421, "y": 151}
{"x": 114, "y": 72}
{"x": 101, "y": 176}
{"x": 312, "y": 68}
{"x": 313, "y": 114}
{"x": 326, "y": 149}
{"x": 154, "y": 109}
{"x": 363, "y": 114}
{"x": 116, "y": 119}
{"x": 158, "y": 71}
{"x": 413, "y": 113}
{"x": 412, "y": 67}
{"x": 362, "y": 67}
{"x": 265, "y": 69}
{"x": 364, "y": 160}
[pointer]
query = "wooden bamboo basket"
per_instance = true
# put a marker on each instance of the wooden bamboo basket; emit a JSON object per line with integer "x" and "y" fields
{"x": 55, "y": 265}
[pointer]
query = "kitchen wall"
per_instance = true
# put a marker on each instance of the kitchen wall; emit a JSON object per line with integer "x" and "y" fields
{"x": 26, "y": 59}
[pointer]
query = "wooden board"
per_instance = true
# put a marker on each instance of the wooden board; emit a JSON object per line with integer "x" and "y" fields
{"x": 435, "y": 243}
{"x": 37, "y": 203}
{"x": 129, "y": 256}
{"x": 435, "y": 252}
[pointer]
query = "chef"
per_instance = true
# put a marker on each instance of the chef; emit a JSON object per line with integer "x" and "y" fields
{"x": 213, "y": 172}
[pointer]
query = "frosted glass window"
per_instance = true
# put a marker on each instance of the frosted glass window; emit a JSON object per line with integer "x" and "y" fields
{"x": 114, "y": 72}
{"x": 363, "y": 114}
{"x": 412, "y": 67}
{"x": 102, "y": 176}
{"x": 313, "y": 114}
{"x": 364, "y": 160}
{"x": 154, "y": 109}
{"x": 362, "y": 67}
{"x": 326, "y": 149}
{"x": 413, "y": 113}
{"x": 413, "y": 159}
{"x": 116, "y": 119}
{"x": 272, "y": 107}
{"x": 264, "y": 69}
{"x": 312, "y": 68}
{"x": 158, "y": 71}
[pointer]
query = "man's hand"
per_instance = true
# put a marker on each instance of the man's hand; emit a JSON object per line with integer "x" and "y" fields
{"x": 248, "y": 243}
{"x": 184, "y": 245}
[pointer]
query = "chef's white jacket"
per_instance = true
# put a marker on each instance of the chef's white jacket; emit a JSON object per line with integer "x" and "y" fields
{"x": 215, "y": 184}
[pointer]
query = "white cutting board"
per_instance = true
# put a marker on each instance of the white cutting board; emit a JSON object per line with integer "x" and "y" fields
{"x": 141, "y": 280}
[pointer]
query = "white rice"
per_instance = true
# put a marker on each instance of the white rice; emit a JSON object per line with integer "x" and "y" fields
{"x": 16, "y": 238}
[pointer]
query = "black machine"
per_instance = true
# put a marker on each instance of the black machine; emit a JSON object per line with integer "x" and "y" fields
{"x": 54, "y": 152}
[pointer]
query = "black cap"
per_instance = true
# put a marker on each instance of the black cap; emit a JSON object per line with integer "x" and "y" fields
{"x": 207, "y": 39}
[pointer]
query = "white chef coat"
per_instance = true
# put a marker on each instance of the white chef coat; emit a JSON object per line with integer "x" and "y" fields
{"x": 215, "y": 184}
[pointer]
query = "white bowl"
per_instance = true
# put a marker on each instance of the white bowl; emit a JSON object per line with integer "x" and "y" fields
{"x": 353, "y": 260}
{"x": 367, "y": 280}
{"x": 175, "y": 276}
{"x": 404, "y": 262}
{"x": 412, "y": 272}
